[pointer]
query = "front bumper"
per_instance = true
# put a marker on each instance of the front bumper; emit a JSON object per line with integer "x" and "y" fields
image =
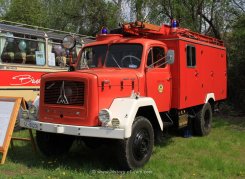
{"x": 101, "y": 132}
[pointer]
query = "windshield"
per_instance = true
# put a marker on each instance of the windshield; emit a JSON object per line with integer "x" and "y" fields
{"x": 115, "y": 55}
{"x": 93, "y": 57}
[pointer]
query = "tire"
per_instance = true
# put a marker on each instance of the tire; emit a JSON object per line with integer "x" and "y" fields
{"x": 135, "y": 151}
{"x": 203, "y": 120}
{"x": 51, "y": 144}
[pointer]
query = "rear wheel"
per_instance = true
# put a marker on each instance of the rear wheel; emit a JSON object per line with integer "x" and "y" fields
{"x": 51, "y": 144}
{"x": 135, "y": 151}
{"x": 203, "y": 120}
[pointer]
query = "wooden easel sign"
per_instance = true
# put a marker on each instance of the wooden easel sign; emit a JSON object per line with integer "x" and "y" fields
{"x": 9, "y": 108}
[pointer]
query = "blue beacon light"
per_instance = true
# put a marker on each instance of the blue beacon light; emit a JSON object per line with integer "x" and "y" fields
{"x": 174, "y": 24}
{"x": 104, "y": 31}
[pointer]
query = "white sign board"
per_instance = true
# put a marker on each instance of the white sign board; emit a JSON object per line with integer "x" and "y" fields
{"x": 51, "y": 59}
{"x": 40, "y": 58}
{"x": 6, "y": 109}
{"x": 9, "y": 107}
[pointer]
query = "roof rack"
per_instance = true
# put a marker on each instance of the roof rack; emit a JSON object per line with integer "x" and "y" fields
{"x": 145, "y": 29}
{"x": 37, "y": 31}
{"x": 141, "y": 28}
{"x": 196, "y": 36}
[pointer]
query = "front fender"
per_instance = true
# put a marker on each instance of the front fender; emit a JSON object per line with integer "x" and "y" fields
{"x": 125, "y": 109}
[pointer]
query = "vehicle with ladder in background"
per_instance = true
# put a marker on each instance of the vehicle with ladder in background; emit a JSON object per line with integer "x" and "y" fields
{"x": 127, "y": 87}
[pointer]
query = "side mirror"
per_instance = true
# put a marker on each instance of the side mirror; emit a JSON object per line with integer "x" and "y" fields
{"x": 170, "y": 57}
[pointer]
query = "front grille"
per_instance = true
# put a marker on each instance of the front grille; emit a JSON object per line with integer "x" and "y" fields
{"x": 64, "y": 92}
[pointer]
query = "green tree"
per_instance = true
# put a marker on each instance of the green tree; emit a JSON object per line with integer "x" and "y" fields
{"x": 62, "y": 14}
{"x": 97, "y": 14}
{"x": 236, "y": 54}
{"x": 28, "y": 12}
{"x": 210, "y": 17}
{"x": 118, "y": 6}
{"x": 4, "y": 4}
{"x": 79, "y": 16}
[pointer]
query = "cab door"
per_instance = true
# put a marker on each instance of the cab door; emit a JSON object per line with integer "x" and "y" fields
{"x": 158, "y": 78}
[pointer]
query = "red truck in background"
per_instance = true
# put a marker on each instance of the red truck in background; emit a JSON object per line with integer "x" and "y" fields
{"x": 129, "y": 85}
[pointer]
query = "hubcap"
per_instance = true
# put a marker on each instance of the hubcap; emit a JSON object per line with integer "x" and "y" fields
{"x": 141, "y": 144}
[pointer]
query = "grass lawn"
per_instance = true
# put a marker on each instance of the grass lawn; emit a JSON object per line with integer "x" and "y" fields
{"x": 219, "y": 155}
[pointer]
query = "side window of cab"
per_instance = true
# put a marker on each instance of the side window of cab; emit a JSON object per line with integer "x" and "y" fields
{"x": 156, "y": 58}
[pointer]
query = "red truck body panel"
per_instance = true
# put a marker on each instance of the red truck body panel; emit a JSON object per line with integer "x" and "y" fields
{"x": 180, "y": 85}
{"x": 192, "y": 84}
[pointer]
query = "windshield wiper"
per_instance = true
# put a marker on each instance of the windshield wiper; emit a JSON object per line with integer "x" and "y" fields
{"x": 115, "y": 61}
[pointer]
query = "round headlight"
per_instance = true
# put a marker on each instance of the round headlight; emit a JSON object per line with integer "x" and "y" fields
{"x": 115, "y": 122}
{"x": 104, "y": 116}
{"x": 25, "y": 114}
{"x": 69, "y": 42}
{"x": 33, "y": 112}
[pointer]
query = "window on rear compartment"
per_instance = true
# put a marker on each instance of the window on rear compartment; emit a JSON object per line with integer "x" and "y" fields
{"x": 191, "y": 56}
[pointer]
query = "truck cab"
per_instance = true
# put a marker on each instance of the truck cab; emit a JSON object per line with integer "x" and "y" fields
{"x": 124, "y": 65}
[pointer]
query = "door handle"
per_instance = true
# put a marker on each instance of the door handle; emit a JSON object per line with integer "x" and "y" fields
{"x": 169, "y": 78}
{"x": 196, "y": 73}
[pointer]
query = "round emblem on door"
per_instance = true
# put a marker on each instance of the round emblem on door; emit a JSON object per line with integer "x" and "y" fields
{"x": 160, "y": 88}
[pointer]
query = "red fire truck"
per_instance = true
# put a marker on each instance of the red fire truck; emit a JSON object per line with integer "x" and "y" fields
{"x": 128, "y": 86}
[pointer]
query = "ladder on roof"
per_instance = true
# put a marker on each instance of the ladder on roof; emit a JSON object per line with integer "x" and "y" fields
{"x": 200, "y": 37}
{"x": 138, "y": 28}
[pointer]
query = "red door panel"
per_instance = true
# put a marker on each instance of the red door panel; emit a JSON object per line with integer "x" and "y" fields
{"x": 158, "y": 86}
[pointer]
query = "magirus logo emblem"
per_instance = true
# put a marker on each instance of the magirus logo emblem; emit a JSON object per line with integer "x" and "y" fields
{"x": 62, "y": 98}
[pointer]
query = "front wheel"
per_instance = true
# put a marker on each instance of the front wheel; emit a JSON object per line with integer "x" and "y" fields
{"x": 51, "y": 144}
{"x": 135, "y": 151}
{"x": 203, "y": 120}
